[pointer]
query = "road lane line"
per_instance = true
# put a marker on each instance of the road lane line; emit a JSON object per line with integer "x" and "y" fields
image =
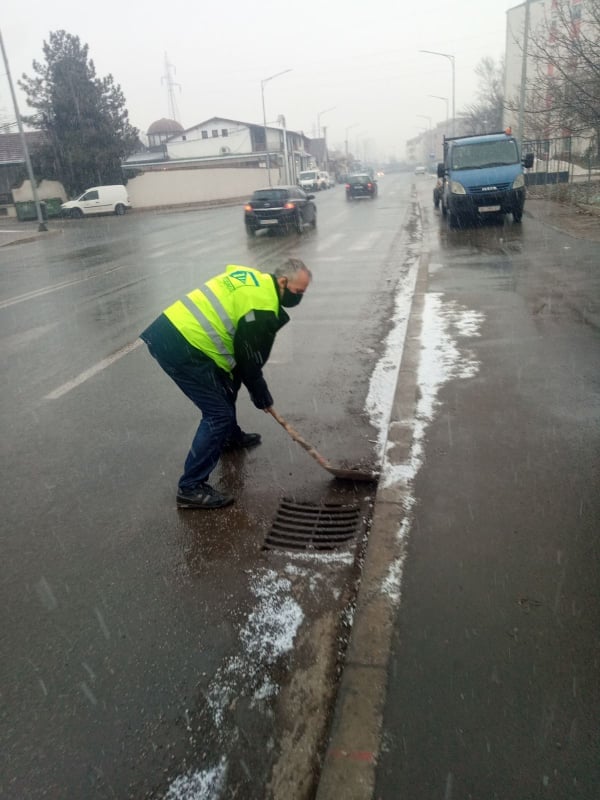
{"x": 89, "y": 373}
{"x": 366, "y": 242}
{"x": 21, "y": 298}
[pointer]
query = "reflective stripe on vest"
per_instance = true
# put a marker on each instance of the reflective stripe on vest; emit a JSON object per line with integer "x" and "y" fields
{"x": 208, "y": 329}
{"x": 208, "y": 318}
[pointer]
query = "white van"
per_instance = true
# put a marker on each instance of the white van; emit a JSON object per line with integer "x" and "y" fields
{"x": 311, "y": 180}
{"x": 98, "y": 200}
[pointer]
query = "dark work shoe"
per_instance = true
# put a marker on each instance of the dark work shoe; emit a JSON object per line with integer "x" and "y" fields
{"x": 203, "y": 496}
{"x": 243, "y": 441}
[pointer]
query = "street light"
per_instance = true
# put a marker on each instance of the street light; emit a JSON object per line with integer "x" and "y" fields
{"x": 262, "y": 93}
{"x": 424, "y": 116}
{"x": 521, "y": 122}
{"x": 451, "y": 58}
{"x": 319, "y": 115}
{"x": 38, "y": 209}
{"x": 445, "y": 99}
{"x": 349, "y": 128}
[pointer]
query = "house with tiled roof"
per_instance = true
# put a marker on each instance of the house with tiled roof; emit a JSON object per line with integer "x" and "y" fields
{"x": 222, "y": 142}
{"x": 12, "y": 163}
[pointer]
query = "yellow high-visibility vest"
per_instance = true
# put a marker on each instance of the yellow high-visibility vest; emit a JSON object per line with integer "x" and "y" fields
{"x": 208, "y": 317}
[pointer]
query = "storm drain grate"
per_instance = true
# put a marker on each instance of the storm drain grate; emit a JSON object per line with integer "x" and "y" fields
{"x": 301, "y": 526}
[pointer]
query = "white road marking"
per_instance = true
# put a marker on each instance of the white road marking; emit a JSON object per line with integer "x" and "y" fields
{"x": 21, "y": 298}
{"x": 328, "y": 241}
{"x": 89, "y": 373}
{"x": 366, "y": 242}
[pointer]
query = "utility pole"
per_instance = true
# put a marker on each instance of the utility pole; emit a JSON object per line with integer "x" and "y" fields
{"x": 41, "y": 224}
{"x": 281, "y": 120}
{"x": 262, "y": 94}
{"x": 521, "y": 121}
{"x": 168, "y": 79}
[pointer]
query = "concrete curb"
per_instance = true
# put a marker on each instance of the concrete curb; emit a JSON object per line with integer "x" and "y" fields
{"x": 355, "y": 738}
{"x": 23, "y": 237}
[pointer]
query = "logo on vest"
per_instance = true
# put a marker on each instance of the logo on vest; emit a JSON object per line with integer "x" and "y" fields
{"x": 244, "y": 277}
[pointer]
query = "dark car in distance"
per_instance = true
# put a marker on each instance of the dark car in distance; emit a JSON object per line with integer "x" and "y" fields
{"x": 362, "y": 185}
{"x": 280, "y": 208}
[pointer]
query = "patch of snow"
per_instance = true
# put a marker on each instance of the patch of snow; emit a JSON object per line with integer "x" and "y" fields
{"x": 392, "y": 582}
{"x": 205, "y": 785}
{"x": 273, "y": 624}
{"x": 385, "y": 375}
{"x": 269, "y": 632}
{"x": 442, "y": 358}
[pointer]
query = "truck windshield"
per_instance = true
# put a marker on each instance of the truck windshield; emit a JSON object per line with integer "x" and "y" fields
{"x": 307, "y": 175}
{"x": 484, "y": 154}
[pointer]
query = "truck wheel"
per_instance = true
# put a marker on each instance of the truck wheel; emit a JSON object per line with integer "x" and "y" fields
{"x": 250, "y": 231}
{"x": 76, "y": 213}
{"x": 517, "y": 215}
{"x": 119, "y": 209}
{"x": 444, "y": 209}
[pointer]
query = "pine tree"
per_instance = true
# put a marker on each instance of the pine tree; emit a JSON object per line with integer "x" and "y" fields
{"x": 83, "y": 117}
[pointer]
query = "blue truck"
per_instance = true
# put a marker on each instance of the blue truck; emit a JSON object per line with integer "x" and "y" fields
{"x": 482, "y": 175}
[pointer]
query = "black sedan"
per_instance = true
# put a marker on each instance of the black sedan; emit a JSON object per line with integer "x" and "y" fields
{"x": 360, "y": 186}
{"x": 280, "y": 208}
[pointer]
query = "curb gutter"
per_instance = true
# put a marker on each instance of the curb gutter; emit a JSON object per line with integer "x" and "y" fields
{"x": 349, "y": 767}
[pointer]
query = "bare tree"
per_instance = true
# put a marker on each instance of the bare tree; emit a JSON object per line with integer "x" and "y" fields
{"x": 563, "y": 91}
{"x": 485, "y": 114}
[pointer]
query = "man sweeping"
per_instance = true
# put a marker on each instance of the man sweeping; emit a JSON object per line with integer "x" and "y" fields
{"x": 210, "y": 342}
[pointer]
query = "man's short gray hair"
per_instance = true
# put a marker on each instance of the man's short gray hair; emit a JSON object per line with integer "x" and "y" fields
{"x": 291, "y": 267}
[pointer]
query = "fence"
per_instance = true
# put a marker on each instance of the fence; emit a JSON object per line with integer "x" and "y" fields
{"x": 566, "y": 168}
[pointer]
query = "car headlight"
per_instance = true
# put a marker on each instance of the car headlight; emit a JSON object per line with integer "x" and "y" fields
{"x": 519, "y": 181}
{"x": 457, "y": 188}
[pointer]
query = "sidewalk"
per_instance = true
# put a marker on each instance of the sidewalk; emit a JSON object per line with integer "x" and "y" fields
{"x": 483, "y": 682}
{"x": 14, "y": 232}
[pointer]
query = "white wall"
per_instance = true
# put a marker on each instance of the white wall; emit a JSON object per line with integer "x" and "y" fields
{"x": 195, "y": 147}
{"x": 45, "y": 191}
{"x": 185, "y": 186}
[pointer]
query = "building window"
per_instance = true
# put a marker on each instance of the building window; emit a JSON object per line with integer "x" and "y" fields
{"x": 215, "y": 133}
{"x": 224, "y": 132}
{"x": 205, "y": 134}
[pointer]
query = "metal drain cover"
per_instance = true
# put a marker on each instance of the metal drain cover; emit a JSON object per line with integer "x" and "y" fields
{"x": 302, "y": 526}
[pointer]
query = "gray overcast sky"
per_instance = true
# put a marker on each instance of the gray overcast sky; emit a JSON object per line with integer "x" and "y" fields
{"x": 362, "y": 58}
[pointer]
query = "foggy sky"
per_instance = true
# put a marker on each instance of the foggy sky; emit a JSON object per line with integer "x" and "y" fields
{"x": 361, "y": 58}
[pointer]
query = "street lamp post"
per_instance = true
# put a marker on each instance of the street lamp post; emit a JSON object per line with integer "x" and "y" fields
{"x": 451, "y": 59}
{"x": 281, "y": 120}
{"x": 40, "y": 218}
{"x": 346, "y": 139}
{"x": 521, "y": 123}
{"x": 424, "y": 116}
{"x": 445, "y": 99}
{"x": 319, "y": 115}
{"x": 262, "y": 93}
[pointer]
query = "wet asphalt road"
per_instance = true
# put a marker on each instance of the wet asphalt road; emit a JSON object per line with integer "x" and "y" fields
{"x": 493, "y": 675}
{"x": 121, "y": 616}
